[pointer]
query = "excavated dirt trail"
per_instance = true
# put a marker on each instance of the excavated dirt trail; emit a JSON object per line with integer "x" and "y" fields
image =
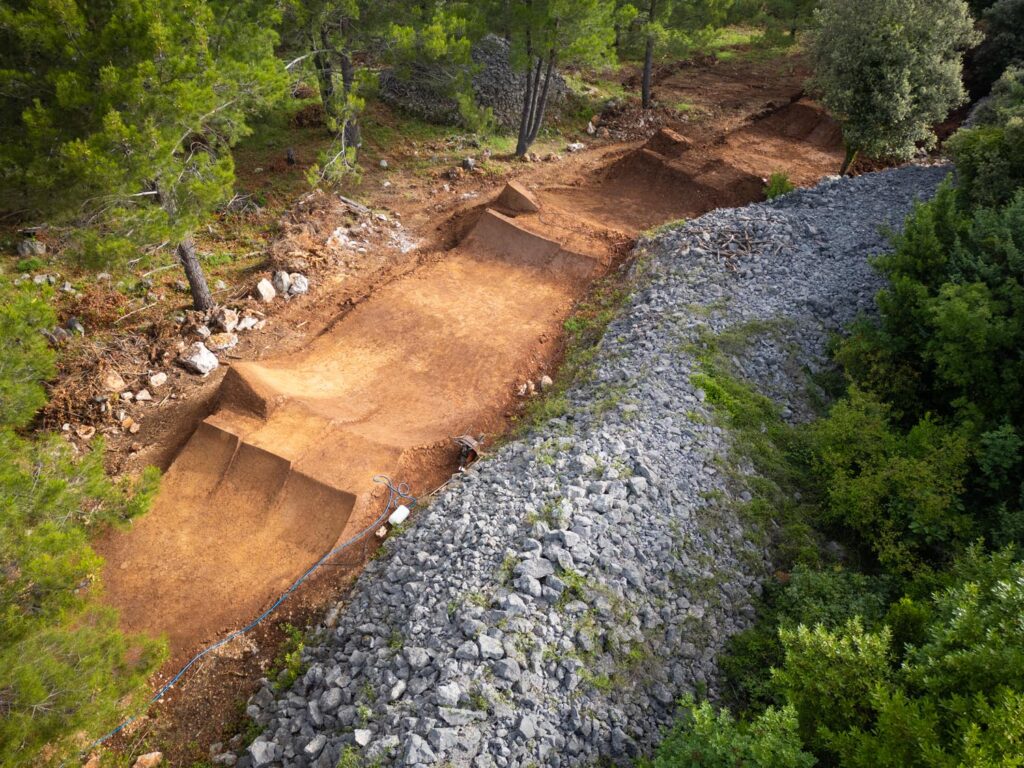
{"x": 282, "y": 470}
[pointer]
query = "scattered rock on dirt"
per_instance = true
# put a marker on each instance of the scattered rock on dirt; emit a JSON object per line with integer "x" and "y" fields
{"x": 143, "y": 396}
{"x": 298, "y": 284}
{"x": 225, "y": 319}
{"x": 221, "y": 341}
{"x": 198, "y": 359}
{"x": 158, "y": 379}
{"x": 149, "y": 760}
{"x": 282, "y": 281}
{"x": 30, "y": 247}
{"x": 112, "y": 381}
{"x": 265, "y": 290}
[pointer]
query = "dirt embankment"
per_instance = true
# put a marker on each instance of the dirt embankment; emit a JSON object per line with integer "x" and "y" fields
{"x": 282, "y": 468}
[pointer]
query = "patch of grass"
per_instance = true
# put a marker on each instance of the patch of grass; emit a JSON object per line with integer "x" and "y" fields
{"x": 396, "y": 642}
{"x": 288, "y": 666}
{"x": 584, "y": 329}
{"x": 778, "y": 185}
{"x": 369, "y": 692}
{"x": 722, "y": 39}
{"x": 777, "y": 450}
{"x": 508, "y": 565}
{"x": 478, "y": 701}
{"x": 576, "y": 587}
{"x": 661, "y": 229}
{"x": 548, "y": 513}
{"x": 30, "y": 265}
{"x": 600, "y": 682}
{"x": 350, "y": 758}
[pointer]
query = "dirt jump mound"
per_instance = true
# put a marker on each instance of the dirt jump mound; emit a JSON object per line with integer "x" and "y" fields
{"x": 283, "y": 469}
{"x": 673, "y": 176}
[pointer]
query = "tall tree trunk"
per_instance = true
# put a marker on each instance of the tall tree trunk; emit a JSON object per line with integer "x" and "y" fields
{"x": 202, "y": 299}
{"x": 348, "y": 79}
{"x": 648, "y": 59}
{"x": 645, "y": 89}
{"x": 529, "y": 98}
{"x": 523, "y": 142}
{"x": 325, "y": 80}
{"x": 849, "y": 160}
{"x": 542, "y": 99}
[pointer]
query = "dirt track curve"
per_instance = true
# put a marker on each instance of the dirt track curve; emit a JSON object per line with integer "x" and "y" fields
{"x": 282, "y": 470}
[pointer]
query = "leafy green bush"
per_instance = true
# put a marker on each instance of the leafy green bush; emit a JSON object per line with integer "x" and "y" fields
{"x": 899, "y": 493}
{"x": 990, "y": 157}
{"x": 706, "y": 739}
{"x": 810, "y": 597}
{"x": 957, "y": 697}
{"x": 888, "y": 71}
{"x": 778, "y": 185}
{"x": 65, "y": 669}
{"x": 944, "y": 359}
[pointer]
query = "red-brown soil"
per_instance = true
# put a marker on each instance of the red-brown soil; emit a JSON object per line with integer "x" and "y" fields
{"x": 281, "y": 470}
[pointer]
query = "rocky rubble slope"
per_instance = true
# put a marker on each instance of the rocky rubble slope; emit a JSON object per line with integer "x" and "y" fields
{"x": 424, "y": 90}
{"x": 553, "y": 604}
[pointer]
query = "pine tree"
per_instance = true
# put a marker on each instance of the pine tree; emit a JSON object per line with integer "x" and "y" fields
{"x": 65, "y": 669}
{"x": 545, "y": 34}
{"x": 117, "y": 118}
{"x": 674, "y": 26}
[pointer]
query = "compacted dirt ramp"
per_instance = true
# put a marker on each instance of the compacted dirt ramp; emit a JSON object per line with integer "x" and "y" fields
{"x": 673, "y": 177}
{"x": 283, "y": 469}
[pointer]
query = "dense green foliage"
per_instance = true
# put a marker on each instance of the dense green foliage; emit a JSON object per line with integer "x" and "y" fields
{"x": 778, "y": 184}
{"x": 889, "y": 70}
{"x": 1003, "y": 47}
{"x": 990, "y": 159}
{"x": 64, "y": 666}
{"x": 706, "y": 739}
{"x": 898, "y": 641}
{"x": 116, "y": 118}
{"x": 951, "y": 694}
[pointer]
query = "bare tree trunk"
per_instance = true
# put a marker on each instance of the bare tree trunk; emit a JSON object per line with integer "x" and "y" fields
{"x": 849, "y": 160}
{"x": 648, "y": 60}
{"x": 542, "y": 100}
{"x": 529, "y": 100}
{"x": 202, "y": 299}
{"x": 348, "y": 79}
{"x": 325, "y": 80}
{"x": 645, "y": 89}
{"x": 524, "y": 121}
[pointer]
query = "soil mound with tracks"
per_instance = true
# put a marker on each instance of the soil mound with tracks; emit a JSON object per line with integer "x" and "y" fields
{"x": 283, "y": 469}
